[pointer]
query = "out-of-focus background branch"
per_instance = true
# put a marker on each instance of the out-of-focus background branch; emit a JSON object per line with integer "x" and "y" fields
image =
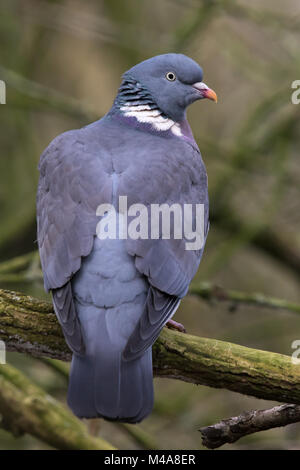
{"x": 61, "y": 61}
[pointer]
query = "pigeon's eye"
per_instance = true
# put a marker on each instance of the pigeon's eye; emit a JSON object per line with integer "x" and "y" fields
{"x": 170, "y": 76}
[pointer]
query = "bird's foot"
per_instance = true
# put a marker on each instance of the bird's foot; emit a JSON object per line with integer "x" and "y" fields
{"x": 176, "y": 326}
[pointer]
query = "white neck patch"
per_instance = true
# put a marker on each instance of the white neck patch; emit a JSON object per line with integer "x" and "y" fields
{"x": 144, "y": 114}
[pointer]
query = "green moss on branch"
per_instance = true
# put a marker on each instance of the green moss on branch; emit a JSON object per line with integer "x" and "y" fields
{"x": 29, "y": 325}
{"x": 26, "y": 408}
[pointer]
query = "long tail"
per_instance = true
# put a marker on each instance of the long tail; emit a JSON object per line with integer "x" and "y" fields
{"x": 103, "y": 385}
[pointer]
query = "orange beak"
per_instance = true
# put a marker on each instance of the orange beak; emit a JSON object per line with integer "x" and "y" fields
{"x": 211, "y": 95}
{"x": 205, "y": 91}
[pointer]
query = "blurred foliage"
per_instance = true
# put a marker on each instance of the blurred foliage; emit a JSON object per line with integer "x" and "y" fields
{"x": 62, "y": 61}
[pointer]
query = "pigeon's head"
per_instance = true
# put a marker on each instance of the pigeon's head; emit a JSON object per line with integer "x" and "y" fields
{"x": 173, "y": 81}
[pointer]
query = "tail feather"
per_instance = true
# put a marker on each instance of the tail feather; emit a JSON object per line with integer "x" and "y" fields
{"x": 102, "y": 384}
{"x": 109, "y": 298}
{"x": 112, "y": 389}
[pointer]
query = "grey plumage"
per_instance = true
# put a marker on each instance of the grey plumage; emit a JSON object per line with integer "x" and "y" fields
{"x": 112, "y": 297}
{"x": 109, "y": 303}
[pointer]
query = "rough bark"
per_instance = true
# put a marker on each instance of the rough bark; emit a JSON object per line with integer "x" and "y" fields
{"x": 29, "y": 325}
{"x": 232, "y": 429}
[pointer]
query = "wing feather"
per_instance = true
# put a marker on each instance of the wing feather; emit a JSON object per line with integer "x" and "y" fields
{"x": 72, "y": 184}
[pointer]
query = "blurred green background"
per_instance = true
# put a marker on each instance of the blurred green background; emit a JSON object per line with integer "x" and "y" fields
{"x": 62, "y": 62}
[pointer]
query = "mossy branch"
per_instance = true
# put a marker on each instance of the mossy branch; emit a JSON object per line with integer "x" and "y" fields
{"x": 29, "y": 325}
{"x": 26, "y": 408}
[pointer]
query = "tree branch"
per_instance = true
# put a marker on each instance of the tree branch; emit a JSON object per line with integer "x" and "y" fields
{"x": 29, "y": 325}
{"x": 18, "y": 263}
{"x": 208, "y": 291}
{"x": 26, "y": 408}
{"x": 232, "y": 429}
{"x": 23, "y": 268}
{"x": 39, "y": 96}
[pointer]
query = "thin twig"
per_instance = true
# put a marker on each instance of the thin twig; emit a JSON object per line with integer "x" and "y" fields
{"x": 23, "y": 268}
{"x": 209, "y": 291}
{"x": 42, "y": 97}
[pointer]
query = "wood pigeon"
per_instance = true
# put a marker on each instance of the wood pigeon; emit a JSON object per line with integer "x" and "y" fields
{"x": 112, "y": 296}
